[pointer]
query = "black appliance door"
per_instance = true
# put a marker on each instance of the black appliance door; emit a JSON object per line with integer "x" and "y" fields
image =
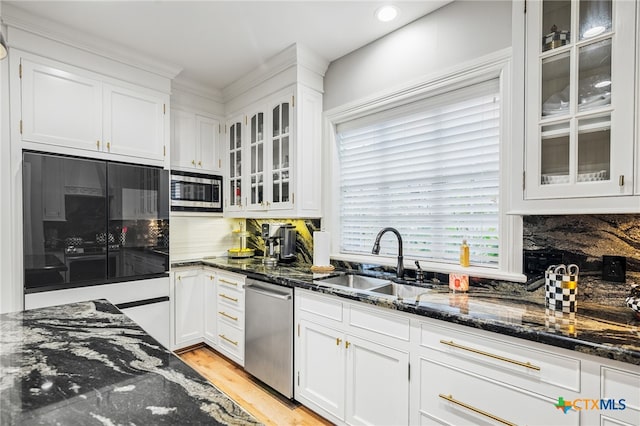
{"x": 138, "y": 219}
{"x": 64, "y": 214}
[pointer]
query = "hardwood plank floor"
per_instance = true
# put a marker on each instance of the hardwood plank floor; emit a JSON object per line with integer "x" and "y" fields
{"x": 267, "y": 406}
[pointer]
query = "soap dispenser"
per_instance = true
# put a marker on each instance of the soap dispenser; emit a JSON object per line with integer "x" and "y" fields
{"x": 464, "y": 254}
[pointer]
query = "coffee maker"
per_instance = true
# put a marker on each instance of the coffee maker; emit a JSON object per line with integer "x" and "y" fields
{"x": 279, "y": 242}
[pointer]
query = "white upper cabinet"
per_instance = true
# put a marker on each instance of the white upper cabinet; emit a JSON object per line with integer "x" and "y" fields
{"x": 273, "y": 136}
{"x": 579, "y": 120}
{"x": 75, "y": 111}
{"x": 195, "y": 142}
{"x": 60, "y": 107}
{"x": 233, "y": 193}
{"x": 281, "y": 167}
{"x": 134, "y": 122}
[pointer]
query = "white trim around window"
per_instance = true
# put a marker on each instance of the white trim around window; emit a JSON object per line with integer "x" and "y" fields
{"x": 496, "y": 65}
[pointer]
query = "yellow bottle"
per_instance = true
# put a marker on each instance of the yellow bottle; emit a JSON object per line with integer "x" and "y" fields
{"x": 464, "y": 254}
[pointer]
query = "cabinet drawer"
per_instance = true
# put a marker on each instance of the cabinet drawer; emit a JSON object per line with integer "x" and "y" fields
{"x": 231, "y": 340}
{"x": 231, "y": 316}
{"x": 379, "y": 322}
{"x": 320, "y": 306}
{"x": 518, "y": 364}
{"x": 229, "y": 281}
{"x": 619, "y": 384}
{"x": 452, "y": 396}
{"x": 229, "y": 297}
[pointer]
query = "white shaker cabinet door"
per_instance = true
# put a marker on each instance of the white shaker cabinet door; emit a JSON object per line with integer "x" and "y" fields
{"x": 207, "y": 129}
{"x": 377, "y": 384}
{"x": 60, "y": 107}
{"x": 134, "y": 123}
{"x": 183, "y": 146}
{"x": 322, "y": 368}
{"x": 189, "y": 306}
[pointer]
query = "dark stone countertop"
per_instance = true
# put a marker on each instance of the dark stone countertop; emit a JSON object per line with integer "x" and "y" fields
{"x": 601, "y": 326}
{"x": 88, "y": 363}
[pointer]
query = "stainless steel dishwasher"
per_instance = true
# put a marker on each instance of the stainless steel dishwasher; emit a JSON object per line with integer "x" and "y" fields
{"x": 269, "y": 334}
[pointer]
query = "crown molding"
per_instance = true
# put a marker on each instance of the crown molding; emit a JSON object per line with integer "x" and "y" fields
{"x": 295, "y": 55}
{"x": 193, "y": 88}
{"x": 13, "y": 16}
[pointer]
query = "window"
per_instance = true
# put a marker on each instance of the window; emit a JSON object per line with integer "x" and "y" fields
{"x": 431, "y": 169}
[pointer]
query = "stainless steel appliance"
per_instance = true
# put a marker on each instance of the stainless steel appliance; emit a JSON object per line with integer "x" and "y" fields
{"x": 269, "y": 334}
{"x": 280, "y": 242}
{"x": 196, "y": 192}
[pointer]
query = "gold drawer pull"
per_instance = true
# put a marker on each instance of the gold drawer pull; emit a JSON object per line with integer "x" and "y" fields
{"x": 476, "y": 410}
{"x": 222, "y": 336}
{"x": 501, "y": 358}
{"x": 222, "y": 280}
{"x": 229, "y": 298}
{"x": 338, "y": 341}
{"x": 224, "y": 314}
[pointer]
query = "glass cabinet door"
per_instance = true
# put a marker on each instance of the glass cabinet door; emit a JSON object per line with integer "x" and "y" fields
{"x": 256, "y": 139}
{"x": 235, "y": 164}
{"x": 576, "y": 72}
{"x": 280, "y": 153}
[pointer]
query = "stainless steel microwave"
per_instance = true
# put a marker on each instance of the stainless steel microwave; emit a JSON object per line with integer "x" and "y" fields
{"x": 195, "y": 192}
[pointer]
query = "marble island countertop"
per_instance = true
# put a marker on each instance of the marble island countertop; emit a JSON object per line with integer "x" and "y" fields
{"x": 602, "y": 325}
{"x": 88, "y": 363}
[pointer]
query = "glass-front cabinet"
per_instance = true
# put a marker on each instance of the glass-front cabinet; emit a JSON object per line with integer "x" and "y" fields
{"x": 233, "y": 197}
{"x": 257, "y": 138}
{"x": 580, "y": 61}
{"x": 280, "y": 139}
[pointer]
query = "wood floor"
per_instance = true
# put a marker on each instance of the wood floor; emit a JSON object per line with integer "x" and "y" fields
{"x": 267, "y": 406}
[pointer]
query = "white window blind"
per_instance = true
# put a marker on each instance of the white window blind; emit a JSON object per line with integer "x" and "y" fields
{"x": 429, "y": 169}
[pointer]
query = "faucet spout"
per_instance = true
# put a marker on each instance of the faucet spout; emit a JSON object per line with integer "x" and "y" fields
{"x": 376, "y": 249}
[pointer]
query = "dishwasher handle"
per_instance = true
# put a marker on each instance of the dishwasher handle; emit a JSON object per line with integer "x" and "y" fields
{"x": 266, "y": 292}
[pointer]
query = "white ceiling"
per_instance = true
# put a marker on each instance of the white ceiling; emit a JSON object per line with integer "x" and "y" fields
{"x": 214, "y": 43}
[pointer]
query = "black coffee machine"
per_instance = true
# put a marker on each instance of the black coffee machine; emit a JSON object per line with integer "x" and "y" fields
{"x": 279, "y": 242}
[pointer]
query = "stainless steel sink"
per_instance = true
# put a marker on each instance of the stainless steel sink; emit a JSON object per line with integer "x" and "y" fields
{"x": 402, "y": 291}
{"x": 359, "y": 282}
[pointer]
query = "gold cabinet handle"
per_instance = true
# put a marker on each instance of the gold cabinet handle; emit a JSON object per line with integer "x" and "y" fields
{"x": 222, "y": 336}
{"x": 224, "y": 314}
{"x": 476, "y": 410}
{"x": 211, "y": 277}
{"x": 200, "y": 163}
{"x": 338, "y": 341}
{"x": 347, "y": 344}
{"x": 222, "y": 280}
{"x": 490, "y": 355}
{"x": 193, "y": 162}
{"x": 227, "y": 297}
{"x": 109, "y": 146}
{"x": 179, "y": 278}
{"x": 97, "y": 144}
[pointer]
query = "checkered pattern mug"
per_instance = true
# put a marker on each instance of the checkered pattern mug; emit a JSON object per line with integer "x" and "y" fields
{"x": 561, "y": 287}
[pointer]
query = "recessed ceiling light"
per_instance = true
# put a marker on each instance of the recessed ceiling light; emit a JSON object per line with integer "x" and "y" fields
{"x": 387, "y": 13}
{"x": 594, "y": 31}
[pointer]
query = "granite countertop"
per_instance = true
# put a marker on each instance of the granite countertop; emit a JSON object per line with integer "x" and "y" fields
{"x": 602, "y": 326}
{"x": 88, "y": 363}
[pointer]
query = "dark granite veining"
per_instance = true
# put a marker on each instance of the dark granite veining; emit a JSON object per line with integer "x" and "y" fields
{"x": 88, "y": 363}
{"x": 503, "y": 307}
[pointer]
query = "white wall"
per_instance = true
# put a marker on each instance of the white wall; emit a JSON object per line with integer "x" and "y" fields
{"x": 456, "y": 33}
{"x": 194, "y": 237}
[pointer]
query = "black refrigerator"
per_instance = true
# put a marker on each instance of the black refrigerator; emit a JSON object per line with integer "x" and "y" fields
{"x": 89, "y": 222}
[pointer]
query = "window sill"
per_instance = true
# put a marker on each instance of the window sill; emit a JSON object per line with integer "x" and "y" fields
{"x": 473, "y": 271}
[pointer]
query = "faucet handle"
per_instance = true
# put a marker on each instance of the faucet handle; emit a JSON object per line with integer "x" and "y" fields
{"x": 419, "y": 273}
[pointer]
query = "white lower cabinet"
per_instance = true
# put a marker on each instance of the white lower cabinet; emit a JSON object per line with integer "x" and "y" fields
{"x": 188, "y": 307}
{"x": 348, "y": 374}
{"x": 359, "y": 364}
{"x": 208, "y": 307}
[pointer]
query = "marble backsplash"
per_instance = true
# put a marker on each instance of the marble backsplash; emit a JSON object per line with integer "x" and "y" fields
{"x": 584, "y": 239}
{"x": 304, "y": 238}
